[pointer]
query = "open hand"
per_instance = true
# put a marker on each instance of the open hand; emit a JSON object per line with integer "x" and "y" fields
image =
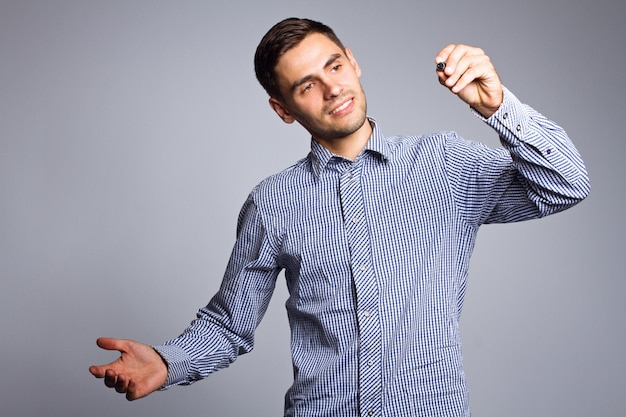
{"x": 139, "y": 370}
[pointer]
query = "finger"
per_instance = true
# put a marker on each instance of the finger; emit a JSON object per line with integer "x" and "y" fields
{"x": 110, "y": 378}
{"x": 442, "y": 56}
{"x": 98, "y": 371}
{"x": 458, "y": 57}
{"x": 470, "y": 69}
{"x": 459, "y": 81}
{"x": 121, "y": 385}
{"x": 441, "y": 62}
{"x": 131, "y": 392}
{"x": 482, "y": 71}
{"x": 461, "y": 61}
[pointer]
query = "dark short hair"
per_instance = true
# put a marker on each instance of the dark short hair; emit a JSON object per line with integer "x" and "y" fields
{"x": 282, "y": 37}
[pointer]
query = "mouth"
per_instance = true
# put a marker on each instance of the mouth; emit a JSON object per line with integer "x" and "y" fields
{"x": 342, "y": 107}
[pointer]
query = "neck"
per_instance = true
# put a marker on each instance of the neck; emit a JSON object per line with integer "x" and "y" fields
{"x": 349, "y": 146}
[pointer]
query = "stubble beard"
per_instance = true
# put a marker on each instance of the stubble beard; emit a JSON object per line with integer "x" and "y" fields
{"x": 332, "y": 131}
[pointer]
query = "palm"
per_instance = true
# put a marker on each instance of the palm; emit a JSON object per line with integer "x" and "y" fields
{"x": 137, "y": 372}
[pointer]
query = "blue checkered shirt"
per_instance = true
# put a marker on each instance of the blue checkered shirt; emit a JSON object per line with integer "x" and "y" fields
{"x": 376, "y": 254}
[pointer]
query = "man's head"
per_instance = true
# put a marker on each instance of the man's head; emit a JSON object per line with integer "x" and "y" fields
{"x": 282, "y": 37}
{"x": 313, "y": 79}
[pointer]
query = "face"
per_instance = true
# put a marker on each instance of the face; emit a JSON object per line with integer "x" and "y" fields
{"x": 321, "y": 90}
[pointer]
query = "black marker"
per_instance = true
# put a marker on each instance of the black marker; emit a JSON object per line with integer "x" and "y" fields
{"x": 441, "y": 66}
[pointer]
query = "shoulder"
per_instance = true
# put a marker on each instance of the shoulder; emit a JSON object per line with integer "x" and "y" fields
{"x": 284, "y": 180}
{"x": 279, "y": 191}
{"x": 427, "y": 145}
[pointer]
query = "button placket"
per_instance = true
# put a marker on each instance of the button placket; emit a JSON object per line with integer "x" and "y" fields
{"x": 366, "y": 289}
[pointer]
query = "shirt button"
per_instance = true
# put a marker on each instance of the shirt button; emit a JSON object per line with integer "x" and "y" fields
{"x": 505, "y": 116}
{"x": 355, "y": 220}
{"x": 363, "y": 268}
{"x": 370, "y": 363}
{"x": 518, "y": 127}
{"x": 370, "y": 413}
{"x": 367, "y": 313}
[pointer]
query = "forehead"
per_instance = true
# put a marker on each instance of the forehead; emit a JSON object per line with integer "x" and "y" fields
{"x": 306, "y": 58}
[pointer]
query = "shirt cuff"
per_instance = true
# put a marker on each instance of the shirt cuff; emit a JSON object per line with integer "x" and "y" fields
{"x": 178, "y": 363}
{"x": 510, "y": 121}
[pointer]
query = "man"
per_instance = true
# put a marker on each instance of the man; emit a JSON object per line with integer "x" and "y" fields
{"x": 374, "y": 234}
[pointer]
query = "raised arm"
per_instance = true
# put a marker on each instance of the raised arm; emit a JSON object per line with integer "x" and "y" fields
{"x": 539, "y": 171}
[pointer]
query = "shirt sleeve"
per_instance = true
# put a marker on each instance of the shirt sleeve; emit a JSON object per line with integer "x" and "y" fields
{"x": 225, "y": 328}
{"x": 537, "y": 172}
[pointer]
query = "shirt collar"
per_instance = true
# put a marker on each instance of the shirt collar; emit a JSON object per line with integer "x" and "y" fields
{"x": 376, "y": 145}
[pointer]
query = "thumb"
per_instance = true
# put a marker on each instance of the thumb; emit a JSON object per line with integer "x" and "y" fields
{"x": 109, "y": 343}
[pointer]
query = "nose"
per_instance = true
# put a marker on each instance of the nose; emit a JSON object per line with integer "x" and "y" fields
{"x": 332, "y": 89}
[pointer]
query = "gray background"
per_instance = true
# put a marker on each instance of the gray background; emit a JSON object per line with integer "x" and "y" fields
{"x": 132, "y": 131}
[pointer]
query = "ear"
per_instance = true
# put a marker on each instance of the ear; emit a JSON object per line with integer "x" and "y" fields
{"x": 281, "y": 110}
{"x": 352, "y": 60}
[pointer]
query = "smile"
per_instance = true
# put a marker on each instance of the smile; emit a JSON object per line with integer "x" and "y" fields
{"x": 342, "y": 107}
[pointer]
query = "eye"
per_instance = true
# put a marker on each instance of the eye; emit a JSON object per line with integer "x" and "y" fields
{"x": 335, "y": 68}
{"x": 307, "y": 87}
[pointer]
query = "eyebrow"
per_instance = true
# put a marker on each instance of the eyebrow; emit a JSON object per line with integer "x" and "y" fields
{"x": 305, "y": 79}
